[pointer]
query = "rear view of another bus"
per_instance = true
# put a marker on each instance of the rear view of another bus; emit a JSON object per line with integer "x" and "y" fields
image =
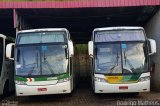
{"x": 121, "y": 60}
{"x": 6, "y": 67}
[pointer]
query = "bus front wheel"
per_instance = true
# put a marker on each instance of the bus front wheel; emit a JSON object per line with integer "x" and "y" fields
{"x": 6, "y": 89}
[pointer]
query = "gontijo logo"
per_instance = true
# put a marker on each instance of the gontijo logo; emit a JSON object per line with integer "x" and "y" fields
{"x": 122, "y": 79}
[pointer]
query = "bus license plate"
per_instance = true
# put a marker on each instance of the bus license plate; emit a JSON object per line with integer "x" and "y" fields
{"x": 123, "y": 87}
{"x": 42, "y": 89}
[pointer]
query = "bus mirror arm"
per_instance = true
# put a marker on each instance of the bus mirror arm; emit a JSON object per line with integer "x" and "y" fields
{"x": 150, "y": 54}
{"x": 10, "y": 59}
{"x": 9, "y": 51}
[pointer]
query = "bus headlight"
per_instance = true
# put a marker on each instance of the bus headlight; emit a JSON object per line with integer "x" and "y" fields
{"x": 144, "y": 79}
{"x": 99, "y": 79}
{"x": 20, "y": 83}
{"x": 63, "y": 80}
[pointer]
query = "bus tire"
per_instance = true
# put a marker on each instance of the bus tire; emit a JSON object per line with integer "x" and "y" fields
{"x": 93, "y": 90}
{"x": 6, "y": 89}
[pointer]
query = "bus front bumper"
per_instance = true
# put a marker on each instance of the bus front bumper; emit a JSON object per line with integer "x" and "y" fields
{"x": 102, "y": 87}
{"x": 59, "y": 88}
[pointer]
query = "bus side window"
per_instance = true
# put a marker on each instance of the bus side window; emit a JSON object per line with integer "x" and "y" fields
{"x": 1, "y": 54}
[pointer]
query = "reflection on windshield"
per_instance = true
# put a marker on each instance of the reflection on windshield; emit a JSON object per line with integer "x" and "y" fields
{"x": 134, "y": 58}
{"x": 53, "y": 60}
{"x": 41, "y": 60}
{"x": 108, "y": 58}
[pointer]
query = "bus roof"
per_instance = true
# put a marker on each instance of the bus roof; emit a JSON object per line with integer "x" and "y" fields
{"x": 43, "y": 29}
{"x": 118, "y": 28}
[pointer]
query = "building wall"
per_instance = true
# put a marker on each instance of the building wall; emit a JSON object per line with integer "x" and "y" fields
{"x": 153, "y": 31}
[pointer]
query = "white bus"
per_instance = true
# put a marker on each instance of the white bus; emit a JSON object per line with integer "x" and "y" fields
{"x": 44, "y": 62}
{"x": 120, "y": 60}
{"x": 6, "y": 67}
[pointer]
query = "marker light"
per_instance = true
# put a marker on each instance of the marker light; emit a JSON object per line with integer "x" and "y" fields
{"x": 99, "y": 79}
{"x": 63, "y": 80}
{"x": 20, "y": 83}
{"x": 144, "y": 79}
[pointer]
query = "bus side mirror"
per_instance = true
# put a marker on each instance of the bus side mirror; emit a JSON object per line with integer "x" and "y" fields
{"x": 90, "y": 48}
{"x": 152, "y": 46}
{"x": 9, "y": 51}
{"x": 71, "y": 48}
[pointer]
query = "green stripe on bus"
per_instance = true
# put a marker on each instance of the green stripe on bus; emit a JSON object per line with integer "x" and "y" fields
{"x": 126, "y": 78}
{"x": 123, "y": 78}
{"x": 20, "y": 79}
{"x": 135, "y": 77}
{"x": 130, "y": 78}
{"x": 62, "y": 76}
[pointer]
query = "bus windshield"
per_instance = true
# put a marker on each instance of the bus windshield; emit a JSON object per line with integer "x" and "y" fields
{"x": 34, "y": 60}
{"x": 120, "y": 58}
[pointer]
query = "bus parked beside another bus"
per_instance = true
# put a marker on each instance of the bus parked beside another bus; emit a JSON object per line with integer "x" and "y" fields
{"x": 44, "y": 60}
{"x": 121, "y": 60}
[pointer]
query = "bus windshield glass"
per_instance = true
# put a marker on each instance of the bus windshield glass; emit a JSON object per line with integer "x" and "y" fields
{"x": 120, "y": 58}
{"x": 41, "y": 60}
{"x": 41, "y": 37}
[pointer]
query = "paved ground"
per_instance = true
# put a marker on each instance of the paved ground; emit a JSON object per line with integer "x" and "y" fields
{"x": 83, "y": 96}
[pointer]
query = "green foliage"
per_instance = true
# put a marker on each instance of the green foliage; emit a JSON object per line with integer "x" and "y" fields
{"x": 81, "y": 48}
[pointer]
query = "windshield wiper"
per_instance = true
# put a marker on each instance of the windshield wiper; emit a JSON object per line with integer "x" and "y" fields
{"x": 127, "y": 61}
{"x": 30, "y": 72}
{"x": 48, "y": 65}
{"x": 117, "y": 58}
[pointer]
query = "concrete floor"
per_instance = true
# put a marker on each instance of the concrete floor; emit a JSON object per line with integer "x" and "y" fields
{"x": 83, "y": 96}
